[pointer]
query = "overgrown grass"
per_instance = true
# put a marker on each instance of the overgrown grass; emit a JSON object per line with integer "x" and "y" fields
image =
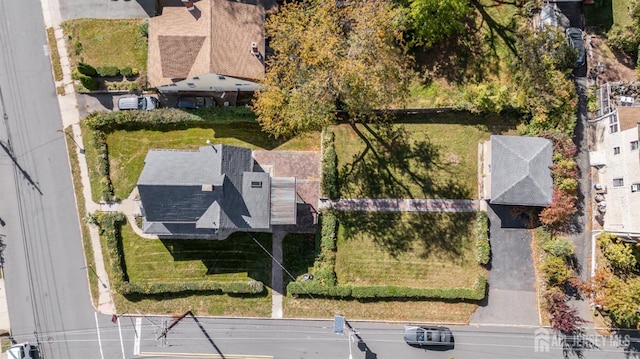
{"x": 414, "y": 311}
{"x": 423, "y": 250}
{"x": 54, "y": 54}
{"x": 107, "y": 42}
{"x": 128, "y": 149}
{"x": 82, "y": 211}
{"x": 482, "y": 54}
{"x": 452, "y": 141}
{"x": 91, "y": 156}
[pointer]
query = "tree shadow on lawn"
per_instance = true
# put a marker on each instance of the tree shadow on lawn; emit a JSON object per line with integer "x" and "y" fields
{"x": 393, "y": 166}
{"x": 437, "y": 234}
{"x": 236, "y": 254}
{"x": 471, "y": 56}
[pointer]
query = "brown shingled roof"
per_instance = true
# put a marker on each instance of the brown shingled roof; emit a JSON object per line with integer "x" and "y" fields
{"x": 217, "y": 40}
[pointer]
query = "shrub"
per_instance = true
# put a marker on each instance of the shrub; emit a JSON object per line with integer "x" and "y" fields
{"x": 126, "y": 71}
{"x": 108, "y": 71}
{"x": 483, "y": 248}
{"x": 624, "y": 39}
{"x": 619, "y": 254}
{"x": 556, "y": 271}
{"x": 143, "y": 29}
{"x": 564, "y": 318}
{"x": 77, "y": 47}
{"x": 561, "y": 247}
{"x": 329, "y": 166}
{"x": 89, "y": 83}
{"x": 86, "y": 69}
{"x": 324, "y": 266}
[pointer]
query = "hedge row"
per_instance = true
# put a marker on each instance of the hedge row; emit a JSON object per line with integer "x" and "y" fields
{"x": 324, "y": 266}
{"x": 164, "y": 119}
{"x": 475, "y": 293}
{"x": 329, "y": 165}
{"x": 110, "y": 223}
{"x": 483, "y": 248}
{"x": 105, "y": 71}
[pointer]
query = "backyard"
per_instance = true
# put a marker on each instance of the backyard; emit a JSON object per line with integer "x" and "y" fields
{"x": 429, "y": 250}
{"x": 426, "y": 156}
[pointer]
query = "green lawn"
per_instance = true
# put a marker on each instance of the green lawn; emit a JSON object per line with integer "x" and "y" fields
{"x": 608, "y": 13}
{"x": 445, "y": 166}
{"x": 127, "y": 149}
{"x": 107, "y": 42}
{"x": 431, "y": 250}
{"x": 236, "y": 258}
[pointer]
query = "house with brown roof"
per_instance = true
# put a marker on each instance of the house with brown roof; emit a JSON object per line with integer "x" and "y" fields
{"x": 220, "y": 37}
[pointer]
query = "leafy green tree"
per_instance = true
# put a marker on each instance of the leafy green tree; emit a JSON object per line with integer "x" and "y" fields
{"x": 330, "y": 58}
{"x": 619, "y": 254}
{"x": 431, "y": 21}
{"x": 542, "y": 85}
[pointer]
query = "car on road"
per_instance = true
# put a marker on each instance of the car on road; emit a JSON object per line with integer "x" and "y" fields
{"x": 576, "y": 40}
{"x": 138, "y": 103}
{"x": 427, "y": 335}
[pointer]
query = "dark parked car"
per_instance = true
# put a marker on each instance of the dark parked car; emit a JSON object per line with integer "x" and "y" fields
{"x": 576, "y": 40}
{"x": 424, "y": 336}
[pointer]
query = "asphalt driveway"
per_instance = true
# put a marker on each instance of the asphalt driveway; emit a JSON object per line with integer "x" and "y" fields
{"x": 511, "y": 298}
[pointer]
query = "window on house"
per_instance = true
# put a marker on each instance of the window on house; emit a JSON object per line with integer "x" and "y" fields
{"x": 616, "y": 150}
{"x": 613, "y": 128}
{"x": 613, "y": 123}
{"x": 618, "y": 182}
{"x": 635, "y": 187}
{"x": 634, "y": 145}
{"x": 256, "y": 184}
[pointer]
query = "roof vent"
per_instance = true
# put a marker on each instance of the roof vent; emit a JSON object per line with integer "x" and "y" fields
{"x": 191, "y": 84}
{"x": 256, "y": 184}
{"x": 196, "y": 78}
{"x": 221, "y": 77}
{"x": 207, "y": 187}
{"x": 254, "y": 49}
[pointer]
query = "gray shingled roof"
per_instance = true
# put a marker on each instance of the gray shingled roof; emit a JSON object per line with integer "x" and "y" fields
{"x": 520, "y": 170}
{"x": 203, "y": 191}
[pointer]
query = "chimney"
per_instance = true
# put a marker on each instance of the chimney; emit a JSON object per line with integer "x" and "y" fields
{"x": 254, "y": 49}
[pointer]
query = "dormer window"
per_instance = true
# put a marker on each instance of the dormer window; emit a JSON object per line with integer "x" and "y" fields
{"x": 256, "y": 184}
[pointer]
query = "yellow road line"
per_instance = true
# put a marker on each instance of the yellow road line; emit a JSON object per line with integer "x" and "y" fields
{"x": 204, "y": 355}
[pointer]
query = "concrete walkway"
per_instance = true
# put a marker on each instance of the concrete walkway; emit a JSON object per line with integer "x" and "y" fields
{"x": 401, "y": 205}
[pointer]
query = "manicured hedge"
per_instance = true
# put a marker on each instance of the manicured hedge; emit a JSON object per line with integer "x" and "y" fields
{"x": 324, "y": 266}
{"x": 329, "y": 166}
{"x": 110, "y": 223}
{"x": 483, "y": 248}
{"x": 313, "y": 287}
{"x": 108, "y": 71}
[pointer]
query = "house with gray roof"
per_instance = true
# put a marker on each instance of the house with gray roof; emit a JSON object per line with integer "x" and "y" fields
{"x": 211, "y": 193}
{"x": 516, "y": 170}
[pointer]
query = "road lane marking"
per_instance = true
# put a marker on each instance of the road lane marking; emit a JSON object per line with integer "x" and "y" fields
{"x": 138, "y": 334}
{"x": 204, "y": 355}
{"x": 98, "y": 331}
{"x": 121, "y": 343}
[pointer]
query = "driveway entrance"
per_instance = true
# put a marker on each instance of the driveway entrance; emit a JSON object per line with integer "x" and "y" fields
{"x": 511, "y": 299}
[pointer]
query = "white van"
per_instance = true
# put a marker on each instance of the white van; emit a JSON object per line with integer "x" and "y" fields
{"x": 138, "y": 103}
{"x": 21, "y": 351}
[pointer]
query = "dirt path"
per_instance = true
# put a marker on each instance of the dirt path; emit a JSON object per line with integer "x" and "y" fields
{"x": 617, "y": 67}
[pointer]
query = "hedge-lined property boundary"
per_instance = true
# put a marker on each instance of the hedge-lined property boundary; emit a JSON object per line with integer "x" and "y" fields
{"x": 325, "y": 283}
{"x": 110, "y": 223}
{"x": 329, "y": 165}
{"x": 483, "y": 248}
{"x": 102, "y": 123}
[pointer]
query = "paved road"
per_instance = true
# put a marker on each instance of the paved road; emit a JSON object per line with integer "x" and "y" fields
{"x": 45, "y": 273}
{"x": 294, "y": 339}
